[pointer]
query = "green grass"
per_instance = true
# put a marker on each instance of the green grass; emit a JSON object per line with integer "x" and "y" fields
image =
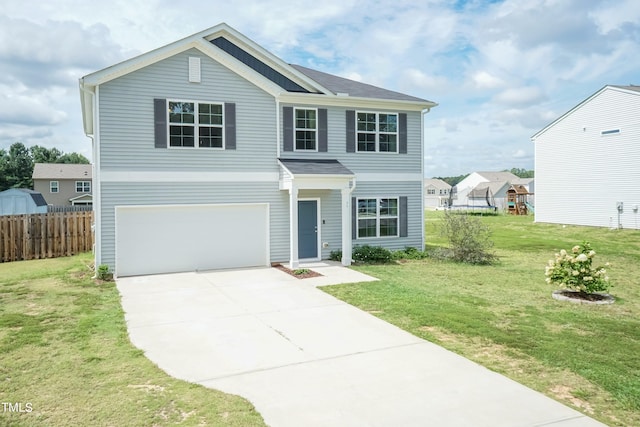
{"x": 503, "y": 316}
{"x": 64, "y": 349}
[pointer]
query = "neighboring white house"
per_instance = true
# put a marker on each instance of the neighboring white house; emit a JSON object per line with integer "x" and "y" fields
{"x": 497, "y": 182}
{"x": 587, "y": 162}
{"x": 436, "y": 193}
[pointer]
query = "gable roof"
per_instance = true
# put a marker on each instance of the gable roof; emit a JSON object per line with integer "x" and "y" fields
{"x": 480, "y": 190}
{"x": 498, "y": 176}
{"x": 437, "y": 183}
{"x": 631, "y": 90}
{"x": 246, "y": 58}
{"x": 344, "y": 87}
{"x": 62, "y": 171}
{"x": 315, "y": 167}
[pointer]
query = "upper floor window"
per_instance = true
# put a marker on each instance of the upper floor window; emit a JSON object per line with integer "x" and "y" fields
{"x": 377, "y": 132}
{"x": 196, "y": 125}
{"x": 53, "y": 187}
{"x": 83, "y": 186}
{"x": 431, "y": 191}
{"x": 377, "y": 217}
{"x": 306, "y": 129}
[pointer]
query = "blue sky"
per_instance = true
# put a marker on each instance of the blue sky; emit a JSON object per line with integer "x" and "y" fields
{"x": 499, "y": 70}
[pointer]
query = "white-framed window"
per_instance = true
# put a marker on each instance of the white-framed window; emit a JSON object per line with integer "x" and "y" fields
{"x": 196, "y": 124}
{"x": 305, "y": 129}
{"x": 378, "y": 217}
{"x": 431, "y": 191}
{"x": 54, "y": 186}
{"x": 83, "y": 186}
{"x": 376, "y": 132}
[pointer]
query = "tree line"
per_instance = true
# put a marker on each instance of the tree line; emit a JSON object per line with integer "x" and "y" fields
{"x": 519, "y": 172}
{"x": 16, "y": 164}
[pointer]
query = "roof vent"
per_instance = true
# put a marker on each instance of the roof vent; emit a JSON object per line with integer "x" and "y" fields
{"x": 342, "y": 94}
{"x": 194, "y": 69}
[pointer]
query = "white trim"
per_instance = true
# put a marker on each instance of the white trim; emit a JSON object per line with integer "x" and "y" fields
{"x": 97, "y": 184}
{"x": 378, "y": 217}
{"x": 83, "y": 186}
{"x": 188, "y": 176}
{"x": 388, "y": 177}
{"x": 196, "y": 124}
{"x": 377, "y": 131}
{"x": 352, "y": 102}
{"x": 51, "y": 187}
{"x": 318, "y": 229}
{"x": 295, "y": 128}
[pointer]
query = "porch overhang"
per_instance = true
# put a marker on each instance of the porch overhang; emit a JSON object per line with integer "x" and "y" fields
{"x": 317, "y": 174}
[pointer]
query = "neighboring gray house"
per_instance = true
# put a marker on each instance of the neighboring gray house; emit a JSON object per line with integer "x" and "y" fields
{"x": 587, "y": 162}
{"x": 20, "y": 201}
{"x": 436, "y": 193}
{"x": 63, "y": 184}
{"x": 211, "y": 152}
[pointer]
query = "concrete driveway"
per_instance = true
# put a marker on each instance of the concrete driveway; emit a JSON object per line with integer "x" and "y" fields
{"x": 304, "y": 358}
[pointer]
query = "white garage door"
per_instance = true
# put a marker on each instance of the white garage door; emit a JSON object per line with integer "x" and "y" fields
{"x": 168, "y": 239}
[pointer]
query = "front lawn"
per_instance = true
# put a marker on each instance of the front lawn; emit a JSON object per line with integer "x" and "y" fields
{"x": 66, "y": 359}
{"x": 503, "y": 316}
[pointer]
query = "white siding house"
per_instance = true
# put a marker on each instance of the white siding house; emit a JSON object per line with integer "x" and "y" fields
{"x": 436, "y": 193}
{"x": 211, "y": 152}
{"x": 497, "y": 182}
{"x": 587, "y": 162}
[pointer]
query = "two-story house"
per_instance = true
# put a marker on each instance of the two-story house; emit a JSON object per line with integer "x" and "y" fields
{"x": 63, "y": 184}
{"x": 436, "y": 193}
{"x": 211, "y": 152}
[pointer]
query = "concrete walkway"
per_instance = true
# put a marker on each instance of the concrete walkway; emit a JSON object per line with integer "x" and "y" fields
{"x": 304, "y": 358}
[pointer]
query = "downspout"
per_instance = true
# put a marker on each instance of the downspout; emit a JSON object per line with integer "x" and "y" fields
{"x": 96, "y": 189}
{"x": 278, "y": 128}
{"x": 423, "y": 113}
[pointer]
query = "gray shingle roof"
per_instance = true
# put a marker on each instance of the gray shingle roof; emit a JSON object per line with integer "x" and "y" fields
{"x": 630, "y": 87}
{"x": 61, "y": 171}
{"x": 315, "y": 167}
{"x": 353, "y": 88}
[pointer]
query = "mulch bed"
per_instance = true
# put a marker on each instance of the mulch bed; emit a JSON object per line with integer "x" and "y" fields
{"x": 306, "y": 275}
{"x": 589, "y": 298}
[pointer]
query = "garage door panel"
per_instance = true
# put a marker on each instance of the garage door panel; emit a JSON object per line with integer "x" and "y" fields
{"x": 162, "y": 239}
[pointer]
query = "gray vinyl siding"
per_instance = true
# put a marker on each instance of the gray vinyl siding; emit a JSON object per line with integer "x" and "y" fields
{"x": 411, "y": 162}
{"x": 581, "y": 174}
{"x": 413, "y": 192}
{"x": 122, "y": 194}
{"x": 127, "y": 119}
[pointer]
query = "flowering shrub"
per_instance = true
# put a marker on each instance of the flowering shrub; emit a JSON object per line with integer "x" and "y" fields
{"x": 575, "y": 270}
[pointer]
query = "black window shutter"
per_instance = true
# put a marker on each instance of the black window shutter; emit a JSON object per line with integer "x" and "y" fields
{"x": 404, "y": 228}
{"x": 230, "y": 126}
{"x": 287, "y": 124}
{"x": 351, "y": 131}
{"x": 160, "y": 122}
{"x": 322, "y": 130}
{"x": 354, "y": 218}
{"x": 402, "y": 130}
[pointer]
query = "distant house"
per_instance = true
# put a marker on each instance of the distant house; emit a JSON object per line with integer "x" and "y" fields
{"x": 436, "y": 193}
{"x": 20, "y": 201}
{"x": 484, "y": 189}
{"x": 587, "y": 162}
{"x": 64, "y": 184}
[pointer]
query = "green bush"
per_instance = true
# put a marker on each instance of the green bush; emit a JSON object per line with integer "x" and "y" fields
{"x": 410, "y": 252}
{"x": 469, "y": 240}
{"x": 372, "y": 254}
{"x": 335, "y": 255}
{"x": 102, "y": 272}
{"x": 575, "y": 270}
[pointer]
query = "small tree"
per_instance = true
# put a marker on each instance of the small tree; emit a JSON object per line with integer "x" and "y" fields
{"x": 469, "y": 239}
{"x": 575, "y": 270}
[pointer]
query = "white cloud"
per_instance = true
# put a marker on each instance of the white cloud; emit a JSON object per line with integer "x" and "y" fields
{"x": 485, "y": 80}
{"x": 519, "y": 96}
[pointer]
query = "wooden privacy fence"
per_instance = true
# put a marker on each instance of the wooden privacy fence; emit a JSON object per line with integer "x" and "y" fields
{"x": 49, "y": 235}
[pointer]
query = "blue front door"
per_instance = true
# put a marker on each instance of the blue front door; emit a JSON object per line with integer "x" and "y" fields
{"x": 307, "y": 229}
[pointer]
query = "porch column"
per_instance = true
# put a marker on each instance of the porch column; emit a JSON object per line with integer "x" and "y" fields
{"x": 293, "y": 227}
{"x": 346, "y": 227}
